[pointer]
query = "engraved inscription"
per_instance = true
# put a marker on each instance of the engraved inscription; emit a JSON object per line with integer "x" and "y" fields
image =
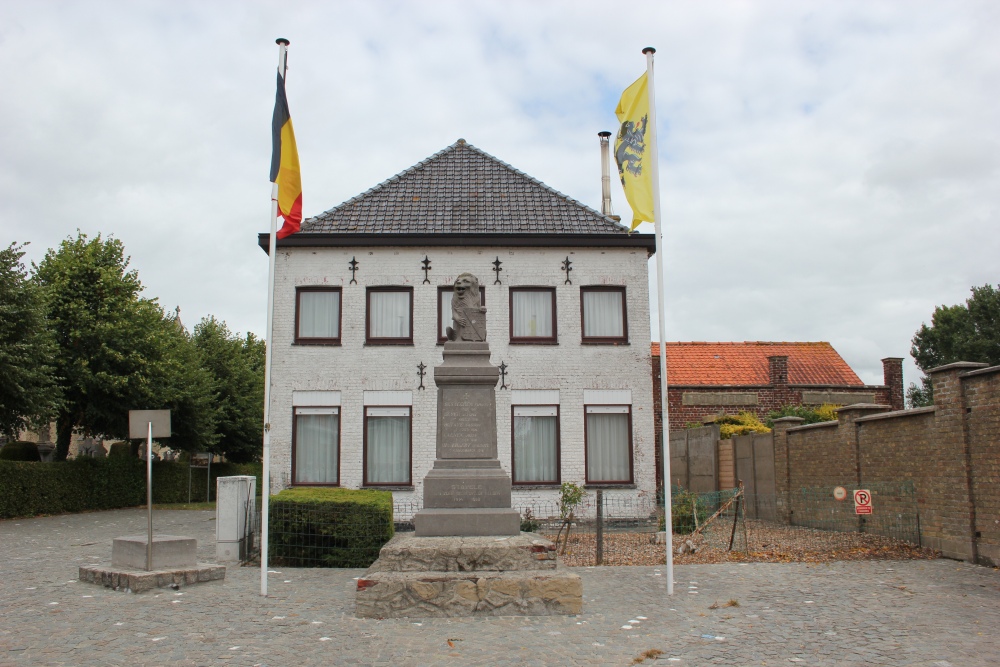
{"x": 467, "y": 423}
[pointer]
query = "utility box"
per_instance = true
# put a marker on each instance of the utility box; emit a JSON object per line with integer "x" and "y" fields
{"x": 235, "y": 517}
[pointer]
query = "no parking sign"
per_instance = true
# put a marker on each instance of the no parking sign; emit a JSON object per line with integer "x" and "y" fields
{"x": 862, "y": 501}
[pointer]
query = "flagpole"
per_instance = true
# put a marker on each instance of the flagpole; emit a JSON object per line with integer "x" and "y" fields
{"x": 664, "y": 403}
{"x": 268, "y": 344}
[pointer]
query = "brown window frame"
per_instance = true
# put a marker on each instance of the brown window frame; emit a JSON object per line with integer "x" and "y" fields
{"x": 536, "y": 340}
{"x": 442, "y": 336}
{"x": 308, "y": 340}
{"x": 513, "y": 459}
{"x": 340, "y": 431}
{"x": 364, "y": 448}
{"x": 368, "y": 316}
{"x": 586, "y": 448}
{"x": 604, "y": 340}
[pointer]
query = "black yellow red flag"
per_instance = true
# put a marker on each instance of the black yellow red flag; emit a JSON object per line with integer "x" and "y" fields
{"x": 285, "y": 164}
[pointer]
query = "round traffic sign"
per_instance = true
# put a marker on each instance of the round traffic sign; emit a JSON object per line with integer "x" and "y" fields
{"x": 840, "y": 493}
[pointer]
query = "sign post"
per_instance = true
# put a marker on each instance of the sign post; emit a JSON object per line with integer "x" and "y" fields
{"x": 149, "y": 424}
{"x": 862, "y": 501}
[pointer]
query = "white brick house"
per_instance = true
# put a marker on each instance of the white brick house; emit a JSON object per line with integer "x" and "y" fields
{"x": 358, "y": 309}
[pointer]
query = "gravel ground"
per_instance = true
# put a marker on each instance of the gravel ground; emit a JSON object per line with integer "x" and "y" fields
{"x": 768, "y": 543}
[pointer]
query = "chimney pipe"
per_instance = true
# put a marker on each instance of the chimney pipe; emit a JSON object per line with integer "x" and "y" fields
{"x": 606, "y": 175}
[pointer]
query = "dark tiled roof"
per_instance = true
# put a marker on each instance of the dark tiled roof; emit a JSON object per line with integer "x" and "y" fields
{"x": 727, "y": 364}
{"x": 462, "y": 190}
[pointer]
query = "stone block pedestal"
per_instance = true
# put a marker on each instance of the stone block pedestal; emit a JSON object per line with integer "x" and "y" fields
{"x": 175, "y": 563}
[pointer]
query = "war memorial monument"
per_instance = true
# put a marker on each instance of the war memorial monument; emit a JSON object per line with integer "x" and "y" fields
{"x": 467, "y": 556}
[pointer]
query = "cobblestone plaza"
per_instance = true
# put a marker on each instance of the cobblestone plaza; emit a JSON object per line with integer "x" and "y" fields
{"x": 928, "y": 613}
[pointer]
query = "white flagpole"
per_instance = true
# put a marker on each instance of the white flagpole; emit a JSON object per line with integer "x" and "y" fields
{"x": 271, "y": 252}
{"x": 664, "y": 403}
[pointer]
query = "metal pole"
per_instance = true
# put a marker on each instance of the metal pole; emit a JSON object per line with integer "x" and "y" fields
{"x": 149, "y": 496}
{"x": 664, "y": 404}
{"x": 600, "y": 527}
{"x": 272, "y": 251}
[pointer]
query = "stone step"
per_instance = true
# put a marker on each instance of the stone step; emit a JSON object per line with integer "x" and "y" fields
{"x": 524, "y": 552}
{"x": 456, "y": 594}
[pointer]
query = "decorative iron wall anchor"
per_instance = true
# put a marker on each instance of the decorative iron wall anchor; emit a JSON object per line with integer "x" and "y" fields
{"x": 496, "y": 269}
{"x": 427, "y": 267}
{"x": 353, "y": 264}
{"x": 503, "y": 375}
{"x": 421, "y": 372}
{"x": 566, "y": 267}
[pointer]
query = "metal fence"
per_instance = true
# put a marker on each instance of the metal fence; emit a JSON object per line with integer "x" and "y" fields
{"x": 895, "y": 511}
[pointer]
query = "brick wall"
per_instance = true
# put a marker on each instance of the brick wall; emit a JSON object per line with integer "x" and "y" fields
{"x": 981, "y": 391}
{"x": 570, "y": 367}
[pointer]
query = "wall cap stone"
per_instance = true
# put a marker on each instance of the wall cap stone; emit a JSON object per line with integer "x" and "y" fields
{"x": 788, "y": 420}
{"x": 981, "y": 371}
{"x": 806, "y": 427}
{"x": 892, "y": 359}
{"x": 957, "y": 366}
{"x": 862, "y": 407}
{"x": 898, "y": 413}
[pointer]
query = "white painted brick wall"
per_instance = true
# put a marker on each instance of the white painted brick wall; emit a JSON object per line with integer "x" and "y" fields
{"x": 569, "y": 366}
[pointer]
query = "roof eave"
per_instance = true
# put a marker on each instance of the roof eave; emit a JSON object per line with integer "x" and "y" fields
{"x": 307, "y": 240}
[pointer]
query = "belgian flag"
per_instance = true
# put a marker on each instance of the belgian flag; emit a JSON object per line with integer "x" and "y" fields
{"x": 285, "y": 164}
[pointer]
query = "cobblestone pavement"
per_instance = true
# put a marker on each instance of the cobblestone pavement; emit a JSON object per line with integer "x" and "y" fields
{"x": 928, "y": 613}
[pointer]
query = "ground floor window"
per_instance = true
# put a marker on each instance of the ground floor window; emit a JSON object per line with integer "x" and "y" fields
{"x": 609, "y": 444}
{"x": 316, "y": 446}
{"x": 387, "y": 445}
{"x": 536, "y": 444}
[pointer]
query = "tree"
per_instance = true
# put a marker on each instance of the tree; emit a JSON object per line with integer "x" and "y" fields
{"x": 117, "y": 350}
{"x": 969, "y": 332}
{"x": 29, "y": 395}
{"x": 236, "y": 366}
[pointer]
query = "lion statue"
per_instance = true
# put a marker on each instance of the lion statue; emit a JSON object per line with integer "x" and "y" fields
{"x": 468, "y": 316}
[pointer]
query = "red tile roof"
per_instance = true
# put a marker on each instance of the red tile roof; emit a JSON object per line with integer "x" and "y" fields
{"x": 714, "y": 364}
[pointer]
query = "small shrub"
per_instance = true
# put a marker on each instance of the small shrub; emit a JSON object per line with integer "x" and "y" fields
{"x": 529, "y": 523}
{"x": 120, "y": 450}
{"x": 570, "y": 497}
{"x": 329, "y": 527}
{"x": 824, "y": 413}
{"x": 19, "y": 451}
{"x": 682, "y": 512}
{"x": 741, "y": 424}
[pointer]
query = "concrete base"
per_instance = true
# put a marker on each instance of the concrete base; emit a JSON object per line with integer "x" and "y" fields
{"x": 442, "y": 522}
{"x": 467, "y": 576}
{"x": 137, "y": 581}
{"x": 169, "y": 552}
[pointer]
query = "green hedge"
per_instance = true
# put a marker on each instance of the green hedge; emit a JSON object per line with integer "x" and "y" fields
{"x": 329, "y": 527}
{"x": 31, "y": 489}
{"x": 19, "y": 451}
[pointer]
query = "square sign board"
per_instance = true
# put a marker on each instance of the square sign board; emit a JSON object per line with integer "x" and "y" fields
{"x": 862, "y": 501}
{"x": 139, "y": 420}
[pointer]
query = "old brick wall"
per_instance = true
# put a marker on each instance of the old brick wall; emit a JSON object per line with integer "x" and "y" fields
{"x": 981, "y": 391}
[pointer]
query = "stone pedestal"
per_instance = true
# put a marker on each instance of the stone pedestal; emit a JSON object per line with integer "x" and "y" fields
{"x": 466, "y": 492}
{"x": 169, "y": 551}
{"x": 175, "y": 563}
{"x": 467, "y": 576}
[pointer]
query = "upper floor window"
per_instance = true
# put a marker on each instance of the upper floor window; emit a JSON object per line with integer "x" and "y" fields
{"x": 533, "y": 315}
{"x": 444, "y": 309}
{"x": 603, "y": 313}
{"x": 316, "y": 446}
{"x": 390, "y": 316}
{"x": 317, "y": 315}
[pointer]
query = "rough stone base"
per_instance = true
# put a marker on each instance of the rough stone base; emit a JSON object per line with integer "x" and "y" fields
{"x": 467, "y": 576}
{"x": 137, "y": 581}
{"x": 447, "y": 594}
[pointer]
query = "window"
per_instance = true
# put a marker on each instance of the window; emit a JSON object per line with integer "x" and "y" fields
{"x": 444, "y": 309}
{"x": 390, "y": 316}
{"x": 608, "y": 436}
{"x": 316, "y": 446}
{"x": 532, "y": 315}
{"x": 317, "y": 315}
{"x": 536, "y": 444}
{"x": 387, "y": 446}
{"x": 602, "y": 310}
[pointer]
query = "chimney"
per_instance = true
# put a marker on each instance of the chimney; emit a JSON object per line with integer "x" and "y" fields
{"x": 892, "y": 377}
{"x": 606, "y": 175}
{"x": 778, "y": 369}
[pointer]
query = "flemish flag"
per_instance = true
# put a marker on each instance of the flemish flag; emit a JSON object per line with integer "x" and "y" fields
{"x": 285, "y": 164}
{"x": 631, "y": 151}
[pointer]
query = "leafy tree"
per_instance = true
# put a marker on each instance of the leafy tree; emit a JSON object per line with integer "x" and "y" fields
{"x": 969, "y": 332}
{"x": 29, "y": 395}
{"x": 236, "y": 366}
{"x": 117, "y": 350}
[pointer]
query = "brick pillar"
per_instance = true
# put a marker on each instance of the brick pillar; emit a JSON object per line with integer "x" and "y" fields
{"x": 892, "y": 377}
{"x": 950, "y": 491}
{"x": 782, "y": 472}
{"x": 848, "y": 432}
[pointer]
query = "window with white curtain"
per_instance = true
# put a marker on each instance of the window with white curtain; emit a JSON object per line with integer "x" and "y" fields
{"x": 532, "y": 315}
{"x": 390, "y": 315}
{"x": 609, "y": 444}
{"x": 317, "y": 315}
{"x": 536, "y": 444}
{"x": 387, "y": 445}
{"x": 316, "y": 446}
{"x": 603, "y": 310}
{"x": 444, "y": 309}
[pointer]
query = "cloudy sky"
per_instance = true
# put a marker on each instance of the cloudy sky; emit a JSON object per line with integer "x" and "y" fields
{"x": 829, "y": 170}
